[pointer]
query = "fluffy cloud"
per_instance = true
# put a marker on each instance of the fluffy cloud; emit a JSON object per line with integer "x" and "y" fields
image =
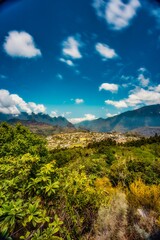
{"x": 87, "y": 117}
{"x": 142, "y": 69}
{"x": 117, "y": 13}
{"x": 117, "y": 104}
{"x": 21, "y": 44}
{"x": 105, "y": 51}
{"x": 126, "y": 78}
{"x": 99, "y": 6}
{"x": 142, "y": 96}
{"x": 155, "y": 89}
{"x": 79, "y": 100}
{"x": 36, "y": 108}
{"x": 71, "y": 48}
{"x": 68, "y": 62}
{"x": 143, "y": 81}
{"x": 7, "y": 104}
{"x": 109, "y": 87}
{"x": 143, "y": 78}
{"x": 128, "y": 81}
{"x": 13, "y": 104}
{"x": 142, "y": 93}
{"x": 20, "y": 103}
{"x": 54, "y": 114}
{"x": 138, "y": 97}
{"x": 110, "y": 115}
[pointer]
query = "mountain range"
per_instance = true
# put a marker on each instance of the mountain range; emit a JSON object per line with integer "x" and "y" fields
{"x": 39, "y": 118}
{"x": 40, "y": 123}
{"x": 145, "y": 117}
{"x": 148, "y": 116}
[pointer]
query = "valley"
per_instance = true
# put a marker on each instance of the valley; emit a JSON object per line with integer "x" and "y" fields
{"x": 80, "y": 120}
{"x": 73, "y": 190}
{"x": 82, "y": 139}
{"x": 144, "y": 121}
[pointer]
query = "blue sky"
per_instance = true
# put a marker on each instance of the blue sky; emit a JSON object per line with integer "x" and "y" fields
{"x": 80, "y": 59}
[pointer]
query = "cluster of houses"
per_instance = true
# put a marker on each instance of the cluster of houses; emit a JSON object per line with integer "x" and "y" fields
{"x": 82, "y": 139}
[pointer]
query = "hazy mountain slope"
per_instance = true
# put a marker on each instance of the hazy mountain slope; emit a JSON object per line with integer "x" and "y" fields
{"x": 40, "y": 123}
{"x": 142, "y": 117}
{"x": 41, "y": 118}
{"x": 146, "y": 131}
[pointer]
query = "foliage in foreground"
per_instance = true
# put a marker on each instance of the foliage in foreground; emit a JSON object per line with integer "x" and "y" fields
{"x": 103, "y": 191}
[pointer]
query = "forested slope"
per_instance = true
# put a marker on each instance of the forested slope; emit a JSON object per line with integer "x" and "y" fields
{"x": 103, "y": 191}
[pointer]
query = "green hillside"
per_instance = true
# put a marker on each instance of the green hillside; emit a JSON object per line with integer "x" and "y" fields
{"x": 103, "y": 191}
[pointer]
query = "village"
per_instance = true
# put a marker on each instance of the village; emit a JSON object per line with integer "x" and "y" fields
{"x": 82, "y": 139}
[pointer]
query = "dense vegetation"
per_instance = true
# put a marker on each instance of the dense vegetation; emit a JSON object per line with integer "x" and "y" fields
{"x": 103, "y": 191}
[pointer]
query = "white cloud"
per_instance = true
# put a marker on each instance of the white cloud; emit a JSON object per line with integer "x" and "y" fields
{"x": 13, "y": 104}
{"x": 142, "y": 69}
{"x": 143, "y": 78}
{"x": 117, "y": 104}
{"x": 105, "y": 51}
{"x": 54, "y": 114}
{"x": 99, "y": 6}
{"x": 71, "y": 48}
{"x": 138, "y": 97}
{"x": 117, "y": 13}
{"x": 127, "y": 78}
{"x": 125, "y": 85}
{"x": 129, "y": 81}
{"x": 156, "y": 88}
{"x": 7, "y": 104}
{"x": 87, "y": 117}
{"x": 109, "y": 87}
{"x": 19, "y": 102}
{"x": 142, "y": 96}
{"x": 68, "y": 62}
{"x": 20, "y": 44}
{"x": 10, "y": 110}
{"x": 79, "y": 100}
{"x": 143, "y": 81}
{"x": 110, "y": 115}
{"x": 37, "y": 108}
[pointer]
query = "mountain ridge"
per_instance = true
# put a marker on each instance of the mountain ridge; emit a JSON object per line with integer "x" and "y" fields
{"x": 40, "y": 118}
{"x": 40, "y": 123}
{"x": 146, "y": 116}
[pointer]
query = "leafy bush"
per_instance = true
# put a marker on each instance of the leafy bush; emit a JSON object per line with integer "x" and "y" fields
{"x": 103, "y": 191}
{"x": 18, "y": 140}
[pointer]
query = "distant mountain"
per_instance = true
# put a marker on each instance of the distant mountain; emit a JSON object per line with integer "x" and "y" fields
{"x": 40, "y": 123}
{"x": 42, "y": 118}
{"x": 146, "y": 131}
{"x": 148, "y": 116}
